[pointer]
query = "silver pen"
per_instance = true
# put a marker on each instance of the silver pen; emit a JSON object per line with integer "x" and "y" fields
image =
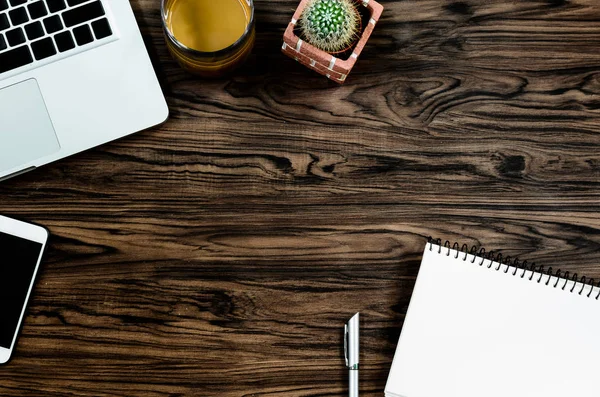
{"x": 351, "y": 353}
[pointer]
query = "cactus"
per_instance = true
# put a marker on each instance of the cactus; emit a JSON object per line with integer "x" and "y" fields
{"x": 330, "y": 25}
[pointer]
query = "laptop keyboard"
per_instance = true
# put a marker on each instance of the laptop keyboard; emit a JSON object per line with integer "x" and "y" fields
{"x": 36, "y": 30}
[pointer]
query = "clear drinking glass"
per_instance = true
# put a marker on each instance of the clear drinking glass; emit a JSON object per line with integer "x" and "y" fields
{"x": 210, "y": 63}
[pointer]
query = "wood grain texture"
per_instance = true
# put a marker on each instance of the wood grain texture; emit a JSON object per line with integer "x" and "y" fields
{"x": 220, "y": 253}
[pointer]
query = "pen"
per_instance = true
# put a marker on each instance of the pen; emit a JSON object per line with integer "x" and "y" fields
{"x": 351, "y": 353}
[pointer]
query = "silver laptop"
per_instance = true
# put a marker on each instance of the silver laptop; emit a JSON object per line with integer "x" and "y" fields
{"x": 74, "y": 74}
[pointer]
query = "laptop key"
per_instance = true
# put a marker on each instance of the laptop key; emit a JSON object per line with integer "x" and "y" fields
{"x": 83, "y": 14}
{"x": 64, "y": 41}
{"x": 3, "y": 5}
{"x": 18, "y": 16}
{"x": 15, "y": 58}
{"x": 83, "y": 35}
{"x": 37, "y": 10}
{"x": 34, "y": 30}
{"x": 4, "y": 24}
{"x": 55, "y": 5}
{"x": 43, "y": 48}
{"x": 53, "y": 24}
{"x": 101, "y": 28}
{"x": 15, "y": 3}
{"x": 3, "y": 44}
{"x": 15, "y": 37}
{"x": 73, "y": 3}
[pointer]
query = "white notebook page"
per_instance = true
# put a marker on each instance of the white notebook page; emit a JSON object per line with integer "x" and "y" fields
{"x": 472, "y": 331}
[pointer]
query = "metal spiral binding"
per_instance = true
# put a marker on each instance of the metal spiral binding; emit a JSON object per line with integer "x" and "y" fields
{"x": 538, "y": 272}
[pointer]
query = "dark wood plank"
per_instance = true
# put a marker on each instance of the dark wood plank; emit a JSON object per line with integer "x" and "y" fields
{"x": 220, "y": 254}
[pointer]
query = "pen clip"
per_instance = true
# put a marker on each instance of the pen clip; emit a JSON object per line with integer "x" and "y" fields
{"x": 346, "y": 344}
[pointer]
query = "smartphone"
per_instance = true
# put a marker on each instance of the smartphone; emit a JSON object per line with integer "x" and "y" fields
{"x": 21, "y": 248}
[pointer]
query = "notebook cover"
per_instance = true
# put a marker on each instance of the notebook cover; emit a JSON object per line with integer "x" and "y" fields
{"x": 477, "y": 328}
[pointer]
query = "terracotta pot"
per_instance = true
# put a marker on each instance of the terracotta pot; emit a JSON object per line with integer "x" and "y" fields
{"x": 320, "y": 61}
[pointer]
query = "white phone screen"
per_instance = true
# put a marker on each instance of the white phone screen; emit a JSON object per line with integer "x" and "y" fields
{"x": 18, "y": 260}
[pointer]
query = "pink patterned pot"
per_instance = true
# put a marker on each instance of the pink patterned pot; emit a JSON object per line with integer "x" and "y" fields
{"x": 320, "y": 61}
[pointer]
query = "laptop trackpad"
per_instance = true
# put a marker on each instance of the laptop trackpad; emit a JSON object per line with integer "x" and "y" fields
{"x": 26, "y": 132}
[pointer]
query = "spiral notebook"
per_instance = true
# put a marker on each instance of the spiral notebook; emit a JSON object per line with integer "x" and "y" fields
{"x": 481, "y": 327}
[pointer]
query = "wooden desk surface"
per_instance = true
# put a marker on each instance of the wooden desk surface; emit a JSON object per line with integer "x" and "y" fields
{"x": 221, "y": 253}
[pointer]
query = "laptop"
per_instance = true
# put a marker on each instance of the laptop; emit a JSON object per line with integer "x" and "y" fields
{"x": 74, "y": 74}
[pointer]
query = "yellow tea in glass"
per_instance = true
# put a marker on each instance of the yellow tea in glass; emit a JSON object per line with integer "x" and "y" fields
{"x": 209, "y": 37}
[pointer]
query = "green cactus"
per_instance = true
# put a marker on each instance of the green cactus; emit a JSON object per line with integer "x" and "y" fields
{"x": 330, "y": 25}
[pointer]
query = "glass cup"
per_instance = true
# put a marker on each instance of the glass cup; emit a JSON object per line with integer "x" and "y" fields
{"x": 214, "y": 62}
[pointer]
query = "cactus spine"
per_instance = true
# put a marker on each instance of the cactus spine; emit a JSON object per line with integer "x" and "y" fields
{"x": 330, "y": 25}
